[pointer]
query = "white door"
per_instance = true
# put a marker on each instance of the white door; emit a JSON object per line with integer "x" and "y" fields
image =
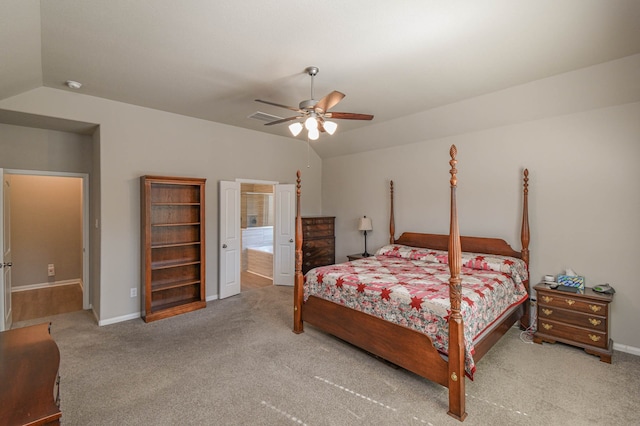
{"x": 285, "y": 234}
{"x": 5, "y": 253}
{"x": 230, "y": 244}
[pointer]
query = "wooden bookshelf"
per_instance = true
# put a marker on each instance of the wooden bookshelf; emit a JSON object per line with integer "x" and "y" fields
{"x": 173, "y": 246}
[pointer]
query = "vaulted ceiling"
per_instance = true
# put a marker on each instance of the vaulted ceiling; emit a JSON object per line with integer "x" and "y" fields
{"x": 212, "y": 59}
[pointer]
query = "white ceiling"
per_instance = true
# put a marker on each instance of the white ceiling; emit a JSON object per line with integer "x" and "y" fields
{"x": 211, "y": 59}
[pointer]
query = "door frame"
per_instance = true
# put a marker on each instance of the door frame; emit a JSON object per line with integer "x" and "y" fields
{"x": 86, "y": 285}
{"x": 6, "y": 319}
{"x": 273, "y": 183}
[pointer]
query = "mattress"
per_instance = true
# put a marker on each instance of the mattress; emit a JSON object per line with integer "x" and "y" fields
{"x": 409, "y": 286}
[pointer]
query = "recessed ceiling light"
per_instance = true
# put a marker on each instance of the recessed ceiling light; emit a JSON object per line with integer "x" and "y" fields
{"x": 73, "y": 84}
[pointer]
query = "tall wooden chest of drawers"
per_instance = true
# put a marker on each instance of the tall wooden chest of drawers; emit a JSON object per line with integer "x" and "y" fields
{"x": 578, "y": 319}
{"x": 318, "y": 242}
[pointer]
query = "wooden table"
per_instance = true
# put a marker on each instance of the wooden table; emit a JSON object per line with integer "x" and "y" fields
{"x": 28, "y": 377}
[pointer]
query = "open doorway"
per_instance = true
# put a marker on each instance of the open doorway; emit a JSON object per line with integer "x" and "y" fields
{"x": 48, "y": 243}
{"x": 257, "y": 219}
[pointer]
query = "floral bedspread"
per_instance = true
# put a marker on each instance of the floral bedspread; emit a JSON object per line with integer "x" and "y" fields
{"x": 410, "y": 286}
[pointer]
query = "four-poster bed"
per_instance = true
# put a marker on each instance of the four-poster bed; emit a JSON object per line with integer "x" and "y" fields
{"x": 489, "y": 263}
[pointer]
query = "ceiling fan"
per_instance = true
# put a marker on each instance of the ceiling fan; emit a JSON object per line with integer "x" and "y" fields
{"x": 315, "y": 113}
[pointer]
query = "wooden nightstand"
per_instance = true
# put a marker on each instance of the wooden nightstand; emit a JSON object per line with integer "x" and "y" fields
{"x": 578, "y": 319}
{"x": 356, "y": 256}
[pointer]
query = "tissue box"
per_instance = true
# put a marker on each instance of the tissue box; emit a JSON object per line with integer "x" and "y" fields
{"x": 571, "y": 281}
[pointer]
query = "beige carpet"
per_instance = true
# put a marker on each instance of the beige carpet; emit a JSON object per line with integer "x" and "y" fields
{"x": 43, "y": 302}
{"x": 237, "y": 362}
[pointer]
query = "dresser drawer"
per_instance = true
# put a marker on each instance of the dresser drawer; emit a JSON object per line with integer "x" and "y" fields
{"x": 320, "y": 252}
{"x": 319, "y": 231}
{"x": 320, "y": 220}
{"x": 318, "y": 227}
{"x": 318, "y": 261}
{"x": 580, "y": 319}
{"x": 577, "y": 334}
{"x": 321, "y": 243}
{"x": 574, "y": 303}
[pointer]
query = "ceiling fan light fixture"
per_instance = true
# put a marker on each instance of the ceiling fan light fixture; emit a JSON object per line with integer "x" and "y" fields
{"x": 295, "y": 128}
{"x": 330, "y": 127}
{"x": 311, "y": 123}
{"x": 314, "y": 134}
{"x": 313, "y": 113}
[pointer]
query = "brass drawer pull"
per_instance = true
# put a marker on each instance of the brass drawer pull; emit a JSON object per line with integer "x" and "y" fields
{"x": 594, "y": 321}
{"x": 594, "y": 338}
{"x": 595, "y": 308}
{"x": 547, "y": 298}
{"x": 570, "y": 302}
{"x": 547, "y": 326}
{"x": 547, "y": 311}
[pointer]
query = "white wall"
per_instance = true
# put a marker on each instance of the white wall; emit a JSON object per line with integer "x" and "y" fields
{"x": 584, "y": 196}
{"x": 134, "y": 141}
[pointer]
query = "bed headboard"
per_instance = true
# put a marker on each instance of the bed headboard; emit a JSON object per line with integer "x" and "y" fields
{"x": 469, "y": 244}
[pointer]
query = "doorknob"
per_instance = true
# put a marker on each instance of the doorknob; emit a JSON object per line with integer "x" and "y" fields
{"x": 224, "y": 246}
{"x": 291, "y": 240}
{"x": 8, "y": 264}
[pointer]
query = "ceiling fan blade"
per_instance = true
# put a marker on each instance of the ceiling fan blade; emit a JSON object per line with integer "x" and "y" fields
{"x": 328, "y": 102}
{"x": 348, "y": 116}
{"x": 278, "y": 105}
{"x": 284, "y": 120}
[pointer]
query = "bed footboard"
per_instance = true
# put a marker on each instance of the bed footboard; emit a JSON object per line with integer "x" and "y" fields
{"x": 399, "y": 345}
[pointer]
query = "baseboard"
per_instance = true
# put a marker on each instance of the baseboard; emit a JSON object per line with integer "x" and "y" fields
{"x": 260, "y": 275}
{"x": 129, "y": 317}
{"x": 38, "y": 286}
{"x": 627, "y": 349}
{"x": 122, "y": 318}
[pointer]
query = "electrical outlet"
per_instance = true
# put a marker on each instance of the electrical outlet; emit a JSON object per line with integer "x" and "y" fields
{"x": 51, "y": 270}
{"x": 133, "y": 292}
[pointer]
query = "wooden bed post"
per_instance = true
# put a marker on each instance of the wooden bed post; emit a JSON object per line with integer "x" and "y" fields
{"x": 456, "y": 326}
{"x": 392, "y": 223}
{"x": 524, "y": 239}
{"x": 298, "y": 278}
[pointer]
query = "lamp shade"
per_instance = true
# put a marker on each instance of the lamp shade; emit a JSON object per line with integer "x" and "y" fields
{"x": 364, "y": 224}
{"x": 330, "y": 127}
{"x": 295, "y": 128}
{"x": 314, "y": 134}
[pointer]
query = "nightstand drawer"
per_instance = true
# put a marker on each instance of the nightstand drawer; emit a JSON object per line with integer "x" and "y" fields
{"x": 572, "y": 318}
{"x": 574, "y": 303}
{"x": 577, "y": 334}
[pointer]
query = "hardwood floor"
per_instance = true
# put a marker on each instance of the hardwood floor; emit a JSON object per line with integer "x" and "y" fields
{"x": 43, "y": 302}
{"x": 249, "y": 281}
